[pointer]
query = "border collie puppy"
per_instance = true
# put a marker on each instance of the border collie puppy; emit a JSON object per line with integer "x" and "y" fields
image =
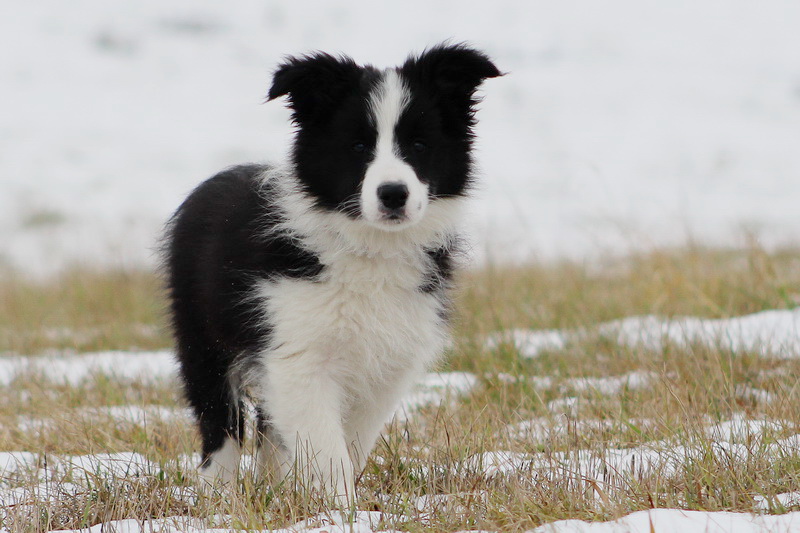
{"x": 320, "y": 289}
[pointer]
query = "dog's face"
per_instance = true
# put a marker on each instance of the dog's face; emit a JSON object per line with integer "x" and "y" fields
{"x": 382, "y": 145}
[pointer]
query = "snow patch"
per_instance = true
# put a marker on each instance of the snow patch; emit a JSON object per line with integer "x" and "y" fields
{"x": 738, "y": 439}
{"x": 14, "y": 462}
{"x": 149, "y": 367}
{"x": 134, "y": 415}
{"x": 434, "y": 389}
{"x": 43, "y": 492}
{"x": 529, "y": 343}
{"x": 744, "y": 392}
{"x": 543, "y": 429}
{"x": 331, "y": 522}
{"x": 784, "y": 500}
{"x": 610, "y": 385}
{"x": 742, "y": 429}
{"x": 105, "y": 465}
{"x": 571, "y": 406}
{"x": 606, "y": 385}
{"x": 679, "y": 520}
{"x": 74, "y": 369}
{"x": 774, "y": 334}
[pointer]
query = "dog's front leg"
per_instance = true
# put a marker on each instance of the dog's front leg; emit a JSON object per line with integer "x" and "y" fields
{"x": 369, "y": 415}
{"x": 304, "y": 404}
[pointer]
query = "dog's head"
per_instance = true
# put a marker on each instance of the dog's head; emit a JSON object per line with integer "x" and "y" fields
{"x": 381, "y": 145}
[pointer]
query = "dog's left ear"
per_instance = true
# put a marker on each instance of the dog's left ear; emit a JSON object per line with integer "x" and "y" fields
{"x": 454, "y": 70}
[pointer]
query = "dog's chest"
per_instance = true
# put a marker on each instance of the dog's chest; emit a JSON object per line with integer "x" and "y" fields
{"x": 364, "y": 310}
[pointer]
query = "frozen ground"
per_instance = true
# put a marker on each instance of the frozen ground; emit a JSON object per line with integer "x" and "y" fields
{"x": 609, "y": 470}
{"x": 620, "y": 124}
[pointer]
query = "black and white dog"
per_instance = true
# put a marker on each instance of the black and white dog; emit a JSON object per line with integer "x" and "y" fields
{"x": 319, "y": 289}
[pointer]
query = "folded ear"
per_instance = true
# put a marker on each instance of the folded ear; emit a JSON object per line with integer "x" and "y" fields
{"x": 453, "y": 70}
{"x": 314, "y": 82}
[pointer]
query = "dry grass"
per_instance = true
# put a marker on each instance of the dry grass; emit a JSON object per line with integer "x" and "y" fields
{"x": 82, "y": 311}
{"x": 432, "y": 454}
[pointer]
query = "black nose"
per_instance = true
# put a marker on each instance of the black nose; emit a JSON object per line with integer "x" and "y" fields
{"x": 393, "y": 195}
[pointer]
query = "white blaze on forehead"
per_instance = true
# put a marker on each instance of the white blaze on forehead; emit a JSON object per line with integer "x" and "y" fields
{"x": 387, "y": 103}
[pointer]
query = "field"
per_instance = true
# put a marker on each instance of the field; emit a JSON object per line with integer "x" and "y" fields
{"x": 597, "y": 383}
{"x": 548, "y": 406}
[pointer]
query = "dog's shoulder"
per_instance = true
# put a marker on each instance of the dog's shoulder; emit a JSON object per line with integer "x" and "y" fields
{"x": 232, "y": 221}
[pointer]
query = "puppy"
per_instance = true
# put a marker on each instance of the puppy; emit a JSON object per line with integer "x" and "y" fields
{"x": 320, "y": 289}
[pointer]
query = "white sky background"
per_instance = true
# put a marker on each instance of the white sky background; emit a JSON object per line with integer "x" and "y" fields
{"x": 621, "y": 124}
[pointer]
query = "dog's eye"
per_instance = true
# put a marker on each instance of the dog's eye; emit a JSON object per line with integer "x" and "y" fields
{"x": 359, "y": 148}
{"x": 419, "y": 146}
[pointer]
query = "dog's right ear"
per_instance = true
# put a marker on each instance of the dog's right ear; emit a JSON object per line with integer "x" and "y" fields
{"x": 314, "y": 83}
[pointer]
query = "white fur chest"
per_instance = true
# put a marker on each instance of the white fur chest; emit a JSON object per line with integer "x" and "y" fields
{"x": 366, "y": 318}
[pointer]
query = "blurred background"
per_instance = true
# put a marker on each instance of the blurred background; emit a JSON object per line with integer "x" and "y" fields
{"x": 621, "y": 125}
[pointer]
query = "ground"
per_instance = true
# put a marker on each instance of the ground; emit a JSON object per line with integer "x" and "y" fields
{"x": 571, "y": 392}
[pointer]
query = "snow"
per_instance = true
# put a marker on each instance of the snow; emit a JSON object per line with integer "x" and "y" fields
{"x": 741, "y": 429}
{"x": 361, "y": 522}
{"x": 42, "y": 492}
{"x": 730, "y": 441}
{"x": 367, "y": 522}
{"x": 741, "y": 438}
{"x": 74, "y": 369}
{"x": 619, "y": 125}
{"x": 745, "y": 392}
{"x": 136, "y": 415}
{"x": 434, "y": 389}
{"x": 13, "y": 462}
{"x": 612, "y": 469}
{"x": 151, "y": 367}
{"x": 683, "y": 521}
{"x": 571, "y": 405}
{"x": 785, "y": 500}
{"x": 609, "y": 385}
{"x": 105, "y": 465}
{"x": 736, "y": 440}
{"x": 530, "y": 344}
{"x": 774, "y": 334}
{"x": 543, "y": 429}
{"x": 177, "y": 524}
